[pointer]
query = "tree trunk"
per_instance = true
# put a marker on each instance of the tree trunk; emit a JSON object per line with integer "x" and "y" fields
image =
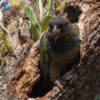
{"x": 83, "y": 81}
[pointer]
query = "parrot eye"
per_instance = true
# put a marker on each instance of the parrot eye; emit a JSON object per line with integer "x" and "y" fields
{"x": 50, "y": 28}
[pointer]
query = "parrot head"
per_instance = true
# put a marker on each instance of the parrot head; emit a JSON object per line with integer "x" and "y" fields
{"x": 57, "y": 28}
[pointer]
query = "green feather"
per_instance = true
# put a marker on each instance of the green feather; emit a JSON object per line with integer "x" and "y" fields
{"x": 46, "y": 58}
{"x": 76, "y": 28}
{"x": 44, "y": 61}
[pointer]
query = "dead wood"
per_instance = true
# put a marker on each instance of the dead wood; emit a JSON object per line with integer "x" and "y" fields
{"x": 26, "y": 73}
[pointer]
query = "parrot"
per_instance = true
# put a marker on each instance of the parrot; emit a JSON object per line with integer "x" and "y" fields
{"x": 59, "y": 48}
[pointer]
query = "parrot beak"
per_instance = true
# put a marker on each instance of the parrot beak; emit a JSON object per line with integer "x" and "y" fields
{"x": 56, "y": 33}
{"x": 57, "y": 36}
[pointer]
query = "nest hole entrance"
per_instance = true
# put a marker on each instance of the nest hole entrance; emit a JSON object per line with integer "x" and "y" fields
{"x": 39, "y": 89}
{"x": 73, "y": 13}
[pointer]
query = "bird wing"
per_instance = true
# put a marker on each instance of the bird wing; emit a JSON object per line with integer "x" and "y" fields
{"x": 44, "y": 59}
{"x": 76, "y": 28}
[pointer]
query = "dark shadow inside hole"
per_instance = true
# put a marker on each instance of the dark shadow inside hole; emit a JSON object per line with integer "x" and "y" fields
{"x": 39, "y": 89}
{"x": 73, "y": 13}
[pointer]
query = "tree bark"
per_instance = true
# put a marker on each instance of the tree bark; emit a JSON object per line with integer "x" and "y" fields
{"x": 83, "y": 81}
{"x": 26, "y": 73}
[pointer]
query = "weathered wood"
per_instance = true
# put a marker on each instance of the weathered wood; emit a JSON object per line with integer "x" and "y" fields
{"x": 26, "y": 73}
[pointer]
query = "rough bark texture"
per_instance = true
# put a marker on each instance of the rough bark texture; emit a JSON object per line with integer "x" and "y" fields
{"x": 83, "y": 81}
{"x": 26, "y": 73}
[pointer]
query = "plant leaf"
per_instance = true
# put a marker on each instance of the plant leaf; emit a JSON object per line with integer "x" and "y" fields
{"x": 35, "y": 7}
{"x": 45, "y": 23}
{"x": 32, "y": 18}
{"x": 30, "y": 14}
{"x": 48, "y": 8}
{"x": 34, "y": 31}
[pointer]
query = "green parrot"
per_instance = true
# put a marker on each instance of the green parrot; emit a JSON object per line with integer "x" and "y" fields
{"x": 59, "y": 48}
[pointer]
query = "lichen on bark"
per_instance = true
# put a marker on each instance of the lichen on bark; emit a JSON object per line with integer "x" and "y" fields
{"x": 5, "y": 47}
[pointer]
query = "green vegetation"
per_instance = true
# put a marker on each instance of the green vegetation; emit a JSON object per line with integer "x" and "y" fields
{"x": 5, "y": 47}
{"x": 39, "y": 17}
